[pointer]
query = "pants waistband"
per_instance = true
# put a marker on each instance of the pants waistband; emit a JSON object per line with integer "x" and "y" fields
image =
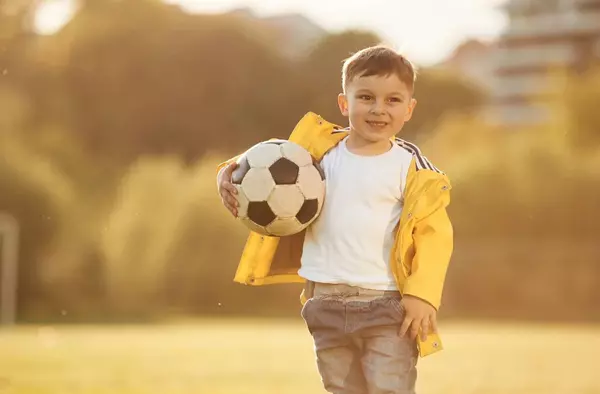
{"x": 324, "y": 289}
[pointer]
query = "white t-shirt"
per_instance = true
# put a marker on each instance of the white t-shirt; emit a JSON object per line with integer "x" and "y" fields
{"x": 351, "y": 240}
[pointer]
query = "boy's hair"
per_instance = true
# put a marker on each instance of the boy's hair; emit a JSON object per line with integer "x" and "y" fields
{"x": 378, "y": 60}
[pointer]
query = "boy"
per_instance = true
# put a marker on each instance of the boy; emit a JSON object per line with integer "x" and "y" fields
{"x": 375, "y": 259}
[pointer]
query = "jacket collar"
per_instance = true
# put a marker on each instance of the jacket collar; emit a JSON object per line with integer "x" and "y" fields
{"x": 319, "y": 136}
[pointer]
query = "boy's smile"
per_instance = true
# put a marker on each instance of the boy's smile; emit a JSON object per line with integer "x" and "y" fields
{"x": 377, "y": 108}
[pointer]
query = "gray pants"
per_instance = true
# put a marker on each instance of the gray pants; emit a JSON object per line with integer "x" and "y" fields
{"x": 357, "y": 342}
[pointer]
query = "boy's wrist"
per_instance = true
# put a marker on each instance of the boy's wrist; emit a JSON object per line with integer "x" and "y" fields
{"x": 420, "y": 299}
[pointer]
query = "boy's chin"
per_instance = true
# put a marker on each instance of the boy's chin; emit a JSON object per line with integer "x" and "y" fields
{"x": 376, "y": 137}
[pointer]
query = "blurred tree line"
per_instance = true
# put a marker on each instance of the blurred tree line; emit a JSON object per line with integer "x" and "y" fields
{"x": 110, "y": 131}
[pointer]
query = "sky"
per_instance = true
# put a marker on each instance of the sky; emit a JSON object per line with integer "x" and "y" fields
{"x": 426, "y": 31}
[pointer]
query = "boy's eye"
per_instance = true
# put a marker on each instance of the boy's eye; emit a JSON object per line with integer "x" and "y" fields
{"x": 395, "y": 99}
{"x": 365, "y": 97}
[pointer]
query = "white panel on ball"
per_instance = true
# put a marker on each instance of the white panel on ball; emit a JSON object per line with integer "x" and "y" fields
{"x": 258, "y": 184}
{"x": 310, "y": 182}
{"x": 263, "y": 155}
{"x": 243, "y": 201}
{"x": 282, "y": 227}
{"x": 296, "y": 153}
{"x": 286, "y": 200}
{"x": 254, "y": 227}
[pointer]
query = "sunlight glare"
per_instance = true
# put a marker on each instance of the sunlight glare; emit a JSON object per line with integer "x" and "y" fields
{"x": 52, "y": 15}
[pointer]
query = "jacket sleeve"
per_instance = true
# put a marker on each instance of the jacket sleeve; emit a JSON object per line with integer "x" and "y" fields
{"x": 433, "y": 246}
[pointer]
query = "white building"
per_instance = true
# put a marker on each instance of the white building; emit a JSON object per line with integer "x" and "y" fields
{"x": 473, "y": 60}
{"x": 541, "y": 35}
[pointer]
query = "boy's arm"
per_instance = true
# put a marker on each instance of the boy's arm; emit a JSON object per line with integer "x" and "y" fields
{"x": 433, "y": 242}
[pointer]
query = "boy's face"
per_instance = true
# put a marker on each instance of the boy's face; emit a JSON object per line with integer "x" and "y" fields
{"x": 377, "y": 106}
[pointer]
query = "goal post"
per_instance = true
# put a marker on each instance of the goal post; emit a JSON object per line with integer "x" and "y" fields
{"x": 9, "y": 254}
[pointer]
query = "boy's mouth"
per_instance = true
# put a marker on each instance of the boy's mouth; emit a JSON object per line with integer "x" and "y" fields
{"x": 376, "y": 123}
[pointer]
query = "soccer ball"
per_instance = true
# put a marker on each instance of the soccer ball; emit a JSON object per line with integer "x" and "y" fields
{"x": 280, "y": 188}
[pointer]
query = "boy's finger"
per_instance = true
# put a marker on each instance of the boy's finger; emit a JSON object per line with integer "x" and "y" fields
{"x": 405, "y": 326}
{"x": 230, "y": 208}
{"x": 231, "y": 167}
{"x": 425, "y": 329}
{"x": 414, "y": 331}
{"x": 233, "y": 202}
{"x": 229, "y": 187}
{"x": 226, "y": 194}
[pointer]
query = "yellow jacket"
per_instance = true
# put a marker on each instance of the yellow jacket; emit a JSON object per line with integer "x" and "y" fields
{"x": 424, "y": 237}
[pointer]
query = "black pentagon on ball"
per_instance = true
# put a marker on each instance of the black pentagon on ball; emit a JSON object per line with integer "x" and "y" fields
{"x": 307, "y": 211}
{"x": 260, "y": 213}
{"x": 284, "y": 172}
{"x": 241, "y": 170}
{"x": 319, "y": 168}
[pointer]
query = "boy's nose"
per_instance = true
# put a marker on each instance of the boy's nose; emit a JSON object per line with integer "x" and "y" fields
{"x": 377, "y": 109}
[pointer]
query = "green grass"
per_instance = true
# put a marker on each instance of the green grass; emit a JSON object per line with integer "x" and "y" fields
{"x": 238, "y": 356}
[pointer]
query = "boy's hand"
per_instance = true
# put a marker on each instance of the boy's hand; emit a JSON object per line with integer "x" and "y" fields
{"x": 419, "y": 316}
{"x": 226, "y": 189}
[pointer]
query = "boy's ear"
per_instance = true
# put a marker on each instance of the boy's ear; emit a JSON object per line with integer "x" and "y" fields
{"x": 410, "y": 109}
{"x": 343, "y": 104}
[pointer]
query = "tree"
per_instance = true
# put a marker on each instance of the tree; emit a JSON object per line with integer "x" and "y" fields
{"x": 323, "y": 70}
{"x": 438, "y": 94}
{"x": 159, "y": 81}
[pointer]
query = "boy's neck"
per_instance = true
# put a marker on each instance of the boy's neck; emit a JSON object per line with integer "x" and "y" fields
{"x": 363, "y": 147}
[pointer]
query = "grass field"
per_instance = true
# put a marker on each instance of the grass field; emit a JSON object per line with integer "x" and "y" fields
{"x": 266, "y": 357}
